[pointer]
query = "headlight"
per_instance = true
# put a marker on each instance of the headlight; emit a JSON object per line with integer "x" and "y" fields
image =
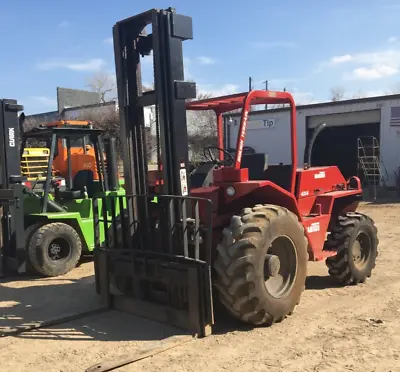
{"x": 230, "y": 191}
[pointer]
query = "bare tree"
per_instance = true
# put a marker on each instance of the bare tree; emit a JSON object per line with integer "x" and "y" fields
{"x": 278, "y": 105}
{"x": 202, "y": 129}
{"x": 104, "y": 84}
{"x": 337, "y": 94}
{"x": 28, "y": 125}
{"x": 359, "y": 94}
{"x": 108, "y": 121}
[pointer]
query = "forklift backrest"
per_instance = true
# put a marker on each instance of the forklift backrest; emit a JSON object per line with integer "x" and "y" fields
{"x": 202, "y": 175}
{"x": 256, "y": 163}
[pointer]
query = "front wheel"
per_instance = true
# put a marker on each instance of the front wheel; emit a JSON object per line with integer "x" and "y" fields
{"x": 354, "y": 239}
{"x": 262, "y": 264}
{"x": 54, "y": 249}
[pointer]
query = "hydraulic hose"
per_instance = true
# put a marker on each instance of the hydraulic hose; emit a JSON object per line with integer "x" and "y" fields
{"x": 308, "y": 152}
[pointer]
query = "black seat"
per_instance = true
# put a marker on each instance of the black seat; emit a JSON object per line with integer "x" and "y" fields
{"x": 83, "y": 180}
{"x": 202, "y": 175}
{"x": 259, "y": 169}
{"x": 66, "y": 194}
{"x": 257, "y": 164}
{"x": 280, "y": 174}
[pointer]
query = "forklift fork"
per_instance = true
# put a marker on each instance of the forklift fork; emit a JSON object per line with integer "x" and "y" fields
{"x": 159, "y": 270}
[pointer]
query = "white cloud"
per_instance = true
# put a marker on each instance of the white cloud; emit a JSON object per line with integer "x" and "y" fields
{"x": 341, "y": 59}
{"x": 373, "y": 73}
{"x": 205, "y": 60}
{"x": 369, "y": 65}
{"x": 108, "y": 40}
{"x": 388, "y": 57}
{"x": 64, "y": 24}
{"x": 272, "y": 44}
{"x": 95, "y": 64}
{"x": 216, "y": 91}
{"x": 392, "y": 39}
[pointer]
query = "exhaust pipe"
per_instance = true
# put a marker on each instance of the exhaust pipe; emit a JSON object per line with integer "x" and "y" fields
{"x": 308, "y": 150}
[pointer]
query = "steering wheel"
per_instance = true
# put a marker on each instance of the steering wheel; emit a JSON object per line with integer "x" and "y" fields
{"x": 208, "y": 154}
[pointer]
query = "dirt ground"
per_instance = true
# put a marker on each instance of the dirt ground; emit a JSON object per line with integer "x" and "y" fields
{"x": 333, "y": 329}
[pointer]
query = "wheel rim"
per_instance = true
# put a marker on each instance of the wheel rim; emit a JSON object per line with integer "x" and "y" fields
{"x": 361, "y": 251}
{"x": 59, "y": 249}
{"x": 280, "y": 267}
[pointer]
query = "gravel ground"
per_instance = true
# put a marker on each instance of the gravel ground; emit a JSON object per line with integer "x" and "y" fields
{"x": 333, "y": 329}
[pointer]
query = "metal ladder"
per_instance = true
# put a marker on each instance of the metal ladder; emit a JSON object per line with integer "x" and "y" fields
{"x": 369, "y": 162}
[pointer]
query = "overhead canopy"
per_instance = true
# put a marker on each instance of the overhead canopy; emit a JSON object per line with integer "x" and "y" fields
{"x": 236, "y": 101}
{"x": 61, "y": 132}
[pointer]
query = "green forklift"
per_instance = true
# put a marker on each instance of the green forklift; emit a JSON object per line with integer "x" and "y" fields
{"x": 47, "y": 229}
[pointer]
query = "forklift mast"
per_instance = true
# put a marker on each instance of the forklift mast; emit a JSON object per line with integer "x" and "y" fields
{"x": 12, "y": 252}
{"x": 131, "y": 42}
{"x": 158, "y": 251}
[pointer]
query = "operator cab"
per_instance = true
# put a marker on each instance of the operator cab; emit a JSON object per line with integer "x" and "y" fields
{"x": 84, "y": 173}
{"x": 242, "y": 157}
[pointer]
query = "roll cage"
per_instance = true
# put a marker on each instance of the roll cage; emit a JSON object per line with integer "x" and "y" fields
{"x": 244, "y": 101}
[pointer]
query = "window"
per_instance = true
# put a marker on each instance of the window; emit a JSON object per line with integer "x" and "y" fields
{"x": 78, "y": 142}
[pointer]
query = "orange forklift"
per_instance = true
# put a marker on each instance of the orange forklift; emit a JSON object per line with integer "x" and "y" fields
{"x": 81, "y": 152}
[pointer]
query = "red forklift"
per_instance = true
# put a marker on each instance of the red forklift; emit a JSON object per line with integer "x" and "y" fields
{"x": 236, "y": 230}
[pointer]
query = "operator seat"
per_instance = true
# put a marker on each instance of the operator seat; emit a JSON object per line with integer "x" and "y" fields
{"x": 259, "y": 169}
{"x": 84, "y": 179}
{"x": 202, "y": 175}
{"x": 256, "y": 163}
{"x": 280, "y": 174}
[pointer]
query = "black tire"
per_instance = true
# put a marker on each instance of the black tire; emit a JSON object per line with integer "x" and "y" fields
{"x": 28, "y": 234}
{"x": 44, "y": 245}
{"x": 355, "y": 241}
{"x": 240, "y": 265}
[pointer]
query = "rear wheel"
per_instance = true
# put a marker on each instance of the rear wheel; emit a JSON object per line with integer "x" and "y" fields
{"x": 354, "y": 239}
{"x": 54, "y": 249}
{"x": 262, "y": 264}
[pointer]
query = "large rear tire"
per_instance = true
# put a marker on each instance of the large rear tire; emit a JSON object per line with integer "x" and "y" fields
{"x": 54, "y": 249}
{"x": 262, "y": 264}
{"x": 354, "y": 239}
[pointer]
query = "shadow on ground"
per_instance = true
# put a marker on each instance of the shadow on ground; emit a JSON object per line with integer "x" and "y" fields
{"x": 43, "y": 300}
{"x": 26, "y": 300}
{"x": 110, "y": 325}
{"x": 318, "y": 282}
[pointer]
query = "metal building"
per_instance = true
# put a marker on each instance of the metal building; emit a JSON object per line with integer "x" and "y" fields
{"x": 376, "y": 120}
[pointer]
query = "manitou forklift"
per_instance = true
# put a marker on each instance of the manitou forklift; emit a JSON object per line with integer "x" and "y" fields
{"x": 241, "y": 240}
{"x": 48, "y": 229}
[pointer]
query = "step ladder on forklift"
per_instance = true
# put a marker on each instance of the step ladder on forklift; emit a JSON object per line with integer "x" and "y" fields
{"x": 370, "y": 164}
